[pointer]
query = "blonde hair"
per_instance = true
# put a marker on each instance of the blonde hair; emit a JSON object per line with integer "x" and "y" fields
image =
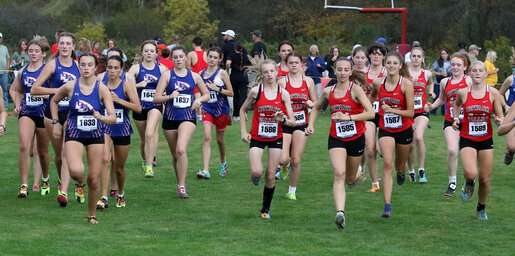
{"x": 491, "y": 56}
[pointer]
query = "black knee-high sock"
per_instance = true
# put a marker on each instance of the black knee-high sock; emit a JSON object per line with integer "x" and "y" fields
{"x": 268, "y": 194}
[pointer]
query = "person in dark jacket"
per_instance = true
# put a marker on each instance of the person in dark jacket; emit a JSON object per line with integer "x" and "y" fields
{"x": 315, "y": 65}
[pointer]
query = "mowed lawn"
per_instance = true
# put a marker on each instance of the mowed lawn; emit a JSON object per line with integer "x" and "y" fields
{"x": 221, "y": 217}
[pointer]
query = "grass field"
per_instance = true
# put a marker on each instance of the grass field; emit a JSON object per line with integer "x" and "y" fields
{"x": 221, "y": 217}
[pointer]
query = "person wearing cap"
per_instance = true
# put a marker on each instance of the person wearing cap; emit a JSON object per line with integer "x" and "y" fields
{"x": 407, "y": 56}
{"x": 228, "y": 47}
{"x": 473, "y": 52}
{"x": 259, "y": 47}
{"x": 4, "y": 70}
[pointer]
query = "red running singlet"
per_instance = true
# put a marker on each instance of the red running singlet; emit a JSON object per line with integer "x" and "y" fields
{"x": 264, "y": 126}
{"x": 299, "y": 96}
{"x": 420, "y": 92}
{"x": 391, "y": 122}
{"x": 345, "y": 130}
{"x": 476, "y": 124}
{"x": 368, "y": 89}
{"x": 201, "y": 62}
{"x": 281, "y": 72}
{"x": 450, "y": 92}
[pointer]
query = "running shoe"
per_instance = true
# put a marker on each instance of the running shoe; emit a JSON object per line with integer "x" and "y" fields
{"x": 375, "y": 187}
{"x": 62, "y": 199}
{"x": 467, "y": 191}
{"x": 387, "y": 212}
{"x": 340, "y": 220}
{"x": 103, "y": 203}
{"x": 113, "y": 193}
{"x": 92, "y": 220}
{"x": 255, "y": 180}
{"x": 120, "y": 201}
{"x": 265, "y": 216}
{"x": 181, "y": 192}
{"x": 24, "y": 191}
{"x": 291, "y": 196}
{"x": 154, "y": 161}
{"x": 149, "y": 173}
{"x": 45, "y": 188}
{"x": 203, "y": 174}
{"x": 412, "y": 176}
{"x": 79, "y": 193}
{"x": 422, "y": 176}
{"x": 451, "y": 189}
{"x": 223, "y": 169}
{"x": 278, "y": 173}
{"x": 508, "y": 158}
{"x": 59, "y": 187}
{"x": 285, "y": 172}
{"x": 482, "y": 215}
{"x": 401, "y": 177}
{"x": 36, "y": 187}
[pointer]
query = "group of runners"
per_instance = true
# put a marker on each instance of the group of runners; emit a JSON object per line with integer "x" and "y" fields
{"x": 377, "y": 103}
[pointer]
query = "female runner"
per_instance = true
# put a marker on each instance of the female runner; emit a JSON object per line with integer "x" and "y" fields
{"x": 176, "y": 89}
{"x": 395, "y": 96}
{"x": 147, "y": 75}
{"x": 58, "y": 71}
{"x": 479, "y": 101}
{"x": 272, "y": 109}
{"x": 448, "y": 88}
{"x": 31, "y": 122}
{"x": 376, "y": 70}
{"x": 284, "y": 49}
{"x": 303, "y": 96}
{"x": 350, "y": 108}
{"x": 118, "y": 135}
{"x": 215, "y": 112}
{"x": 422, "y": 83}
{"x": 87, "y": 99}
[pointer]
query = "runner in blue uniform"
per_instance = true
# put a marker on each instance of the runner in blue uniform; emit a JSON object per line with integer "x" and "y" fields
{"x": 176, "y": 89}
{"x": 57, "y": 72}
{"x": 147, "y": 75}
{"x": 83, "y": 130}
{"x": 508, "y": 90}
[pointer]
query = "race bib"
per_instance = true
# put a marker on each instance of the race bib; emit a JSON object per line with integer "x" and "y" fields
{"x": 375, "y": 106}
{"x": 345, "y": 129}
{"x": 33, "y": 101}
{"x": 300, "y": 117}
{"x": 65, "y": 102}
{"x": 268, "y": 130}
{"x": 182, "y": 101}
{"x": 451, "y": 110}
{"x": 212, "y": 97}
{"x": 147, "y": 95}
{"x": 86, "y": 123}
{"x": 417, "y": 102}
{"x": 119, "y": 115}
{"x": 392, "y": 120}
{"x": 478, "y": 128}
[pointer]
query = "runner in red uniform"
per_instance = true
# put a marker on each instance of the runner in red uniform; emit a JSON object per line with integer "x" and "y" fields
{"x": 448, "y": 89}
{"x": 197, "y": 57}
{"x": 284, "y": 49}
{"x": 479, "y": 102}
{"x": 375, "y": 71}
{"x": 395, "y": 94}
{"x": 303, "y": 96}
{"x": 272, "y": 109}
{"x": 422, "y": 83}
{"x": 350, "y": 108}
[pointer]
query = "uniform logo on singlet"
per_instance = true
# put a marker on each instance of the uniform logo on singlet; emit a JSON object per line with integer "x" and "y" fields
{"x": 150, "y": 78}
{"x": 66, "y": 77}
{"x": 83, "y": 106}
{"x": 181, "y": 86}
{"x": 29, "y": 81}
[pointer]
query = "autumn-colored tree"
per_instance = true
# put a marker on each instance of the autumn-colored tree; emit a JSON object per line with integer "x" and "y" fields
{"x": 93, "y": 32}
{"x": 189, "y": 18}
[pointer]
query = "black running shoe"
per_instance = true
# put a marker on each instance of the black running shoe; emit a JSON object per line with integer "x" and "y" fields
{"x": 340, "y": 220}
{"x": 451, "y": 189}
{"x": 401, "y": 177}
{"x": 508, "y": 158}
{"x": 412, "y": 177}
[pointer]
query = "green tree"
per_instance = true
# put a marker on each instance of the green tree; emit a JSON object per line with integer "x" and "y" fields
{"x": 93, "y": 32}
{"x": 189, "y": 18}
